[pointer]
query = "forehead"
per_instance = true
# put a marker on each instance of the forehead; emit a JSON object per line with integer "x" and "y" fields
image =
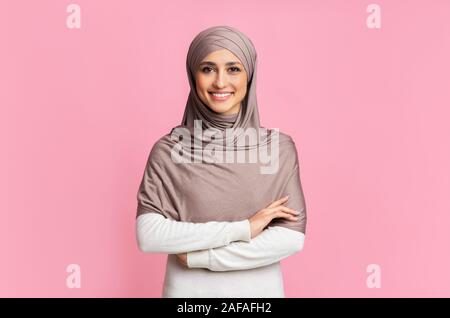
{"x": 222, "y": 56}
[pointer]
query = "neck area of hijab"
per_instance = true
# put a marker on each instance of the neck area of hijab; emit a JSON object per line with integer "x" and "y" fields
{"x": 226, "y": 121}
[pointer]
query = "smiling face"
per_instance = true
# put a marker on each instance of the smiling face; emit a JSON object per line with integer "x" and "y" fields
{"x": 221, "y": 82}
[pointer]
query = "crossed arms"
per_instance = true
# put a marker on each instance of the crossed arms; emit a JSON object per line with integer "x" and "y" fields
{"x": 217, "y": 246}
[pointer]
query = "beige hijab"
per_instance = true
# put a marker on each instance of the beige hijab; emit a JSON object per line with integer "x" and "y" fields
{"x": 207, "y": 41}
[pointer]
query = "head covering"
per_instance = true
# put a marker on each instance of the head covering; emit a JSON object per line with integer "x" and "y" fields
{"x": 207, "y": 41}
{"x": 210, "y": 40}
{"x": 199, "y": 191}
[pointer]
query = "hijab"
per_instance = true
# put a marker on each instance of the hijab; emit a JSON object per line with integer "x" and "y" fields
{"x": 207, "y": 41}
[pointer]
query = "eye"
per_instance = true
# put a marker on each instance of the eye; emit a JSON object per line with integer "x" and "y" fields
{"x": 236, "y": 69}
{"x": 206, "y": 69}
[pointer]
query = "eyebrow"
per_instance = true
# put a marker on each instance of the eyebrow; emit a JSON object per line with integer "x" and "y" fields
{"x": 212, "y": 63}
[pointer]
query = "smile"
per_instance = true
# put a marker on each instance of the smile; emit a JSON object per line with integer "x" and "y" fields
{"x": 220, "y": 97}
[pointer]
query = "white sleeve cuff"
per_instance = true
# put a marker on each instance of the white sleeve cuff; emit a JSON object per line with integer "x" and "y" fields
{"x": 198, "y": 259}
{"x": 240, "y": 231}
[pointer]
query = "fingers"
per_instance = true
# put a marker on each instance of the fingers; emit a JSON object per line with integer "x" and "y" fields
{"x": 278, "y": 202}
{"x": 281, "y": 214}
{"x": 284, "y": 209}
{"x": 284, "y": 212}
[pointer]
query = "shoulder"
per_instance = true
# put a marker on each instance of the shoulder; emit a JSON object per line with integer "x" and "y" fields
{"x": 285, "y": 141}
{"x": 285, "y": 138}
{"x": 160, "y": 151}
{"x": 288, "y": 152}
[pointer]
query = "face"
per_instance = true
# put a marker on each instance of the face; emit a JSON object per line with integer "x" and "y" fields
{"x": 221, "y": 82}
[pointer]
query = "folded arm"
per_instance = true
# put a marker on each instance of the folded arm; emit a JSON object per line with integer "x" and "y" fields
{"x": 272, "y": 245}
{"x": 157, "y": 234}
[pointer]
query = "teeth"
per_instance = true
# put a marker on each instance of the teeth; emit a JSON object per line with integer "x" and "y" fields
{"x": 221, "y": 95}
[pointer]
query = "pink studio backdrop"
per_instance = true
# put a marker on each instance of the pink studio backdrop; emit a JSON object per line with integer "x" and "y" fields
{"x": 368, "y": 109}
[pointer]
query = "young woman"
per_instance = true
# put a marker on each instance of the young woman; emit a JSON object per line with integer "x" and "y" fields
{"x": 225, "y": 217}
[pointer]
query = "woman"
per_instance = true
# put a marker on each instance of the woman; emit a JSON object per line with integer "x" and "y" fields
{"x": 226, "y": 223}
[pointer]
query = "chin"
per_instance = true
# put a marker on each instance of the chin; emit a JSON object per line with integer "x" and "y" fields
{"x": 219, "y": 108}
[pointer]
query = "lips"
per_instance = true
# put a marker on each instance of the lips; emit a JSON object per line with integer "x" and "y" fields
{"x": 220, "y": 96}
{"x": 220, "y": 93}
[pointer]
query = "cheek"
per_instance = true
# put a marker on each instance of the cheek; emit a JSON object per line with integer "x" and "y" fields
{"x": 241, "y": 86}
{"x": 202, "y": 84}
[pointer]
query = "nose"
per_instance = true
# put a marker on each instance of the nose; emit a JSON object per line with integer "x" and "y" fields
{"x": 220, "y": 80}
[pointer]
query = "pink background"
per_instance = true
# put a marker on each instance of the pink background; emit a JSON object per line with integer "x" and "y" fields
{"x": 368, "y": 109}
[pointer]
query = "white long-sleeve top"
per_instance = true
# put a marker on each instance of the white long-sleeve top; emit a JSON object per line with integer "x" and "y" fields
{"x": 216, "y": 252}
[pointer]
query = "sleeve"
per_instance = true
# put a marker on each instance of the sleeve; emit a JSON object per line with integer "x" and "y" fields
{"x": 272, "y": 245}
{"x": 157, "y": 234}
{"x": 296, "y": 200}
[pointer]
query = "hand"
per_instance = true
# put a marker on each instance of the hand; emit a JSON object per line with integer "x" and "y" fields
{"x": 182, "y": 258}
{"x": 275, "y": 210}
